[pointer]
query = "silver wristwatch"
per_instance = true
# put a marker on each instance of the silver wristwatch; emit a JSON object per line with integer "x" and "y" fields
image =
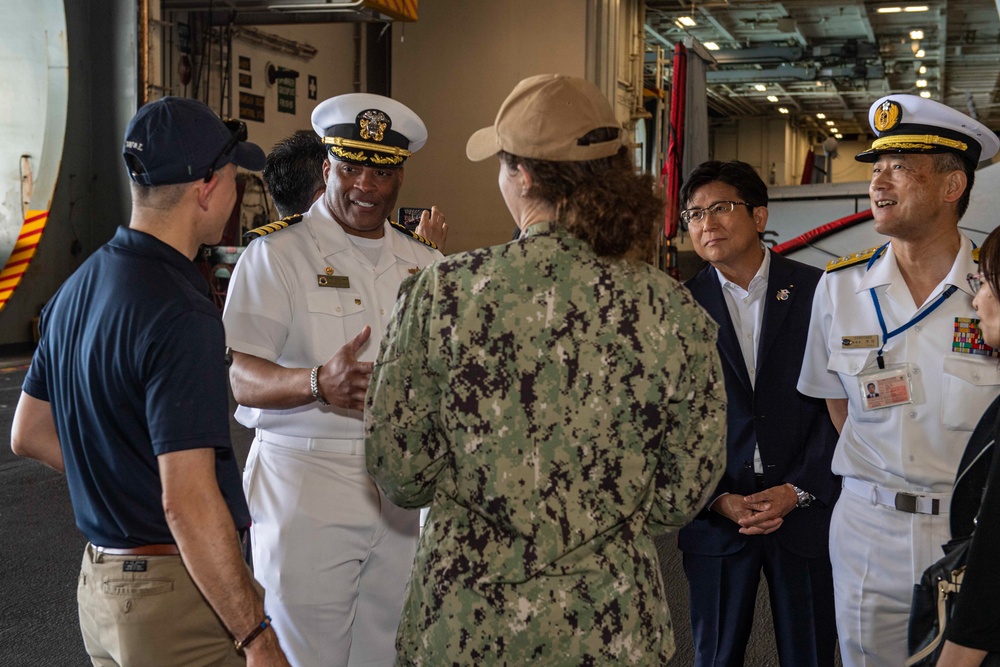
{"x": 804, "y": 497}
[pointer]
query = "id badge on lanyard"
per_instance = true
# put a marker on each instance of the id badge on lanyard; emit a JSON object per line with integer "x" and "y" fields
{"x": 885, "y": 387}
{"x": 889, "y": 385}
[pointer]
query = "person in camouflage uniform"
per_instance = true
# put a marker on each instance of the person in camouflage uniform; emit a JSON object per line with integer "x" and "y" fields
{"x": 557, "y": 402}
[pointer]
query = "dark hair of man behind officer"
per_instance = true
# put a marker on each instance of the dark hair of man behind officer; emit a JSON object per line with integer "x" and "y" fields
{"x": 293, "y": 173}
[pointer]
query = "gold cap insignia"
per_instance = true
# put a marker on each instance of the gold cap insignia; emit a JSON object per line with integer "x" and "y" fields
{"x": 329, "y": 271}
{"x": 373, "y": 124}
{"x": 887, "y": 116}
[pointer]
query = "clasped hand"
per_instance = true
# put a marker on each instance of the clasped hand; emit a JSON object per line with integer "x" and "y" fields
{"x": 761, "y": 513}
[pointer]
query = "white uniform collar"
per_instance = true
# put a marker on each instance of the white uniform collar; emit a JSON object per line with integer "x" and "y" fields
{"x": 331, "y": 239}
{"x": 885, "y": 271}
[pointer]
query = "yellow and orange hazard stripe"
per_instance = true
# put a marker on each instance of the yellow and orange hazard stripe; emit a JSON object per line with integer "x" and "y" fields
{"x": 24, "y": 250}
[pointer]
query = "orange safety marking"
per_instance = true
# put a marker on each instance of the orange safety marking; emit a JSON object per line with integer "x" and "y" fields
{"x": 24, "y": 250}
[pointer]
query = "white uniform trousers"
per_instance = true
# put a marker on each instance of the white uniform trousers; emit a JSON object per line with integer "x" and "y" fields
{"x": 878, "y": 553}
{"x": 333, "y": 554}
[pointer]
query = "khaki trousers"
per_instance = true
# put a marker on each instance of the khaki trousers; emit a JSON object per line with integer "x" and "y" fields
{"x": 145, "y": 611}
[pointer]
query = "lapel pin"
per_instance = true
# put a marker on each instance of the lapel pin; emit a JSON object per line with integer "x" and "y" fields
{"x": 783, "y": 295}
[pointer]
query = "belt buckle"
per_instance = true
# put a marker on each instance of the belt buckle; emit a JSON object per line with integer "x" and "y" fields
{"x": 906, "y": 503}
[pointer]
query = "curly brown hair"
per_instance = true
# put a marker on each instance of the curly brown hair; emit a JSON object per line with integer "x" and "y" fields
{"x": 603, "y": 201}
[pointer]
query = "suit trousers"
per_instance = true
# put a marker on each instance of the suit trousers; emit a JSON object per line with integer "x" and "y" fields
{"x": 333, "y": 553}
{"x": 146, "y": 611}
{"x": 723, "y": 592}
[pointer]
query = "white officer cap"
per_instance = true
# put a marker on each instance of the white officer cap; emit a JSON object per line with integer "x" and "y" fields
{"x": 369, "y": 130}
{"x": 912, "y": 124}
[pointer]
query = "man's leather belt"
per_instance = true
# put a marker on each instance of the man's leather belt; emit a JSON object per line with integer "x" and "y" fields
{"x": 932, "y": 503}
{"x": 147, "y": 550}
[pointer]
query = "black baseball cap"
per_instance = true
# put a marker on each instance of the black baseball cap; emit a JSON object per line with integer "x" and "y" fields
{"x": 179, "y": 140}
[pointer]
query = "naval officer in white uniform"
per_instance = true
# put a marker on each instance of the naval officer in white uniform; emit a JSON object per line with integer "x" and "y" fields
{"x": 900, "y": 316}
{"x": 306, "y": 309}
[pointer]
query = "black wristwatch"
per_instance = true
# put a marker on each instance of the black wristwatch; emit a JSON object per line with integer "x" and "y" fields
{"x": 804, "y": 497}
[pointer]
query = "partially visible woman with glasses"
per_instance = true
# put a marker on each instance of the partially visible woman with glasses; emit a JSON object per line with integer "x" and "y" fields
{"x": 973, "y": 634}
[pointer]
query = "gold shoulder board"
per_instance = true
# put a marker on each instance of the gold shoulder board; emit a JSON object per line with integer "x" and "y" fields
{"x": 975, "y": 255}
{"x": 270, "y": 227}
{"x": 403, "y": 230}
{"x": 850, "y": 260}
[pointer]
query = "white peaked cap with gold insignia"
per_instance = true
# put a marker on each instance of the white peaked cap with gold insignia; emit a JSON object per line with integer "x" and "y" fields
{"x": 912, "y": 124}
{"x": 369, "y": 130}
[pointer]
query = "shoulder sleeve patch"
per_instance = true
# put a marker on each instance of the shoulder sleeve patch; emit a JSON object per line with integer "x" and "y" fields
{"x": 271, "y": 227}
{"x": 850, "y": 260}
{"x": 406, "y": 232}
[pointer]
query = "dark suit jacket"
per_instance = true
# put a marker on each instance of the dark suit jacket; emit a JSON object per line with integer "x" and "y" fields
{"x": 794, "y": 432}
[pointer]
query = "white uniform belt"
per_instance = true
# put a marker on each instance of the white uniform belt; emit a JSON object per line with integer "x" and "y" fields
{"x": 333, "y": 445}
{"x": 929, "y": 503}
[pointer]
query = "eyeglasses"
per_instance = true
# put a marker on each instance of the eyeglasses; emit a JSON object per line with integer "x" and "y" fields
{"x": 696, "y": 216}
{"x": 238, "y": 130}
{"x": 975, "y": 281}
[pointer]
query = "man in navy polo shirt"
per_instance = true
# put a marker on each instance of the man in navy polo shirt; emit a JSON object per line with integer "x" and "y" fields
{"x": 126, "y": 394}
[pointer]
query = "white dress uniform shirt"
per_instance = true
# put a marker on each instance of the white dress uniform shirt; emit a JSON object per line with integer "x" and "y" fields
{"x": 746, "y": 310}
{"x": 878, "y": 552}
{"x": 914, "y": 447}
{"x": 276, "y": 310}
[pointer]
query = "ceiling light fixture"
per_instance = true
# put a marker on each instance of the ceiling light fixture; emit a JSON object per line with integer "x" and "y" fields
{"x": 835, "y": 130}
{"x": 925, "y": 94}
{"x": 686, "y": 21}
{"x": 839, "y": 135}
{"x": 889, "y": 10}
{"x": 772, "y": 98}
{"x": 915, "y": 8}
{"x": 921, "y": 70}
{"x": 782, "y": 110}
{"x": 711, "y": 46}
{"x": 831, "y": 123}
{"x": 916, "y": 34}
{"x": 921, "y": 83}
{"x": 920, "y": 53}
{"x": 759, "y": 87}
{"x": 821, "y": 116}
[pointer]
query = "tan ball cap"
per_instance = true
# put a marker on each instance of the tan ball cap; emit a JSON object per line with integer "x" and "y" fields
{"x": 544, "y": 118}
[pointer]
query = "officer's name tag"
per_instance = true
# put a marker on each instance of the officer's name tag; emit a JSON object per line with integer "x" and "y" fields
{"x": 333, "y": 281}
{"x": 853, "y": 342}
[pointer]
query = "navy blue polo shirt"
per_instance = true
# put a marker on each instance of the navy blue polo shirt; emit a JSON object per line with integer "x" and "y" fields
{"x": 131, "y": 361}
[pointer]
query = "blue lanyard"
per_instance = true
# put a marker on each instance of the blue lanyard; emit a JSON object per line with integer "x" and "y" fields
{"x": 886, "y": 334}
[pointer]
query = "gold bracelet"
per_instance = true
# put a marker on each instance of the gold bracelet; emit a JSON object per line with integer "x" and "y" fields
{"x": 243, "y": 643}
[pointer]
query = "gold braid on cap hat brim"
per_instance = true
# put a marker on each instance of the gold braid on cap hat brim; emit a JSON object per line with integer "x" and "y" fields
{"x": 917, "y": 142}
{"x": 339, "y": 145}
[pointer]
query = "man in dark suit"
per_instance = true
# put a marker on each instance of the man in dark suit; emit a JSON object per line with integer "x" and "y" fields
{"x": 771, "y": 511}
